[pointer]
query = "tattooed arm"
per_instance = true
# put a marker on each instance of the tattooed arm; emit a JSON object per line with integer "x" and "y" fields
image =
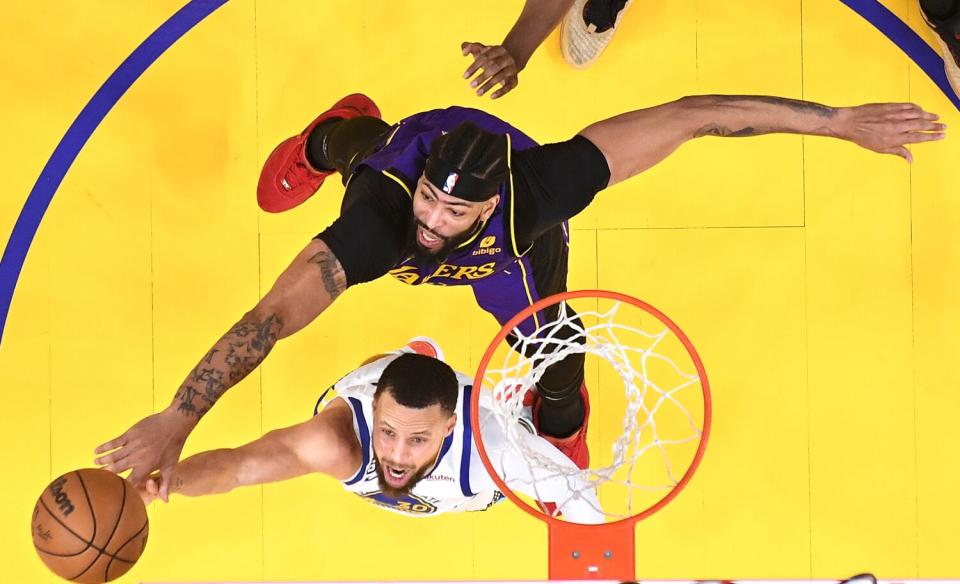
{"x": 637, "y": 140}
{"x": 305, "y": 289}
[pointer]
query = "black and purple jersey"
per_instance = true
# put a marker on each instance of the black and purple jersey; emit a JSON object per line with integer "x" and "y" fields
{"x": 491, "y": 261}
{"x": 518, "y": 256}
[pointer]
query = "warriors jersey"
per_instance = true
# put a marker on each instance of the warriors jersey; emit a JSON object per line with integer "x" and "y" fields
{"x": 457, "y": 480}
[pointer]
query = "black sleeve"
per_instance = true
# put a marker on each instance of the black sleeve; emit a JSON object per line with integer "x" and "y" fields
{"x": 370, "y": 235}
{"x": 554, "y": 182}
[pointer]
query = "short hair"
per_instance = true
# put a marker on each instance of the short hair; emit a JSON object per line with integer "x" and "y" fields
{"x": 417, "y": 381}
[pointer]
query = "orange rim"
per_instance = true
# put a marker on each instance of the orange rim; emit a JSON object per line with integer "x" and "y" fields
{"x": 553, "y": 522}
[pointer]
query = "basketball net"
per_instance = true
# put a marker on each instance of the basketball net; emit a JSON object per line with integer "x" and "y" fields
{"x": 534, "y": 353}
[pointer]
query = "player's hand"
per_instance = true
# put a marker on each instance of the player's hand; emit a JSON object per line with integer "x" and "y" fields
{"x": 496, "y": 66}
{"x": 149, "y": 491}
{"x": 153, "y": 443}
{"x": 888, "y": 127}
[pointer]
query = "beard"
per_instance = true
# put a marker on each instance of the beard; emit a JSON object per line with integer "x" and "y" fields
{"x": 395, "y": 493}
{"x": 423, "y": 255}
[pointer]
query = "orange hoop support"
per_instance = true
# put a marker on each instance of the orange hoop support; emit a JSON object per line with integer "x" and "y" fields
{"x": 578, "y": 551}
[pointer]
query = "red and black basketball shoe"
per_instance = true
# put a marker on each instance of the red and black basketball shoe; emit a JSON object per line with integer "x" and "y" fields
{"x": 575, "y": 445}
{"x": 288, "y": 179}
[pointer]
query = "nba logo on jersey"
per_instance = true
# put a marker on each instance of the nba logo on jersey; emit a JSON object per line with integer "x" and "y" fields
{"x": 451, "y": 182}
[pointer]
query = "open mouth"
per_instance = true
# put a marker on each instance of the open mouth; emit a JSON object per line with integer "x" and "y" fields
{"x": 427, "y": 239}
{"x": 396, "y": 477}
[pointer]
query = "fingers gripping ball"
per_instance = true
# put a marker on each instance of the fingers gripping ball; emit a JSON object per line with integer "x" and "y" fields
{"x": 90, "y": 526}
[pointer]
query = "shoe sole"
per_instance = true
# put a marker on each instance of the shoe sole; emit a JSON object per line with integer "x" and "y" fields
{"x": 950, "y": 66}
{"x": 580, "y": 47}
{"x": 279, "y": 199}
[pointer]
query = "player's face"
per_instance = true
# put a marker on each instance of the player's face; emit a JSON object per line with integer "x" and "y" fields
{"x": 406, "y": 442}
{"x": 443, "y": 222}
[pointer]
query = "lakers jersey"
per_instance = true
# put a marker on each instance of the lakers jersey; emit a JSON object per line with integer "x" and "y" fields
{"x": 491, "y": 261}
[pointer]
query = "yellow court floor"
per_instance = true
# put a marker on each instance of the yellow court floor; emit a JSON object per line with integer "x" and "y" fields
{"x": 817, "y": 280}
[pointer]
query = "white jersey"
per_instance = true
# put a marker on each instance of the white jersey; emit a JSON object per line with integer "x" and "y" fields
{"x": 458, "y": 480}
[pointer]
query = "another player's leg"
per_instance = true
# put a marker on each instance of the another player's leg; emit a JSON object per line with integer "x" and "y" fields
{"x": 588, "y": 28}
{"x": 297, "y": 167}
{"x": 560, "y": 406}
{"x": 943, "y": 16}
{"x": 561, "y": 403}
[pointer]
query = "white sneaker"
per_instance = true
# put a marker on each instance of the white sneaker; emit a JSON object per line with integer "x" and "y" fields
{"x": 588, "y": 28}
{"x": 948, "y": 35}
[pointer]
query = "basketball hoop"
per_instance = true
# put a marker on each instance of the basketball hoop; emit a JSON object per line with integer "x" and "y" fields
{"x": 643, "y": 348}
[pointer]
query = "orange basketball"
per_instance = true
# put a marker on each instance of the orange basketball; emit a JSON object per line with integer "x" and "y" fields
{"x": 89, "y": 525}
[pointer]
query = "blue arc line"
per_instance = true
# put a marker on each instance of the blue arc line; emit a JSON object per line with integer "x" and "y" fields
{"x": 77, "y": 135}
{"x": 192, "y": 14}
{"x": 909, "y": 42}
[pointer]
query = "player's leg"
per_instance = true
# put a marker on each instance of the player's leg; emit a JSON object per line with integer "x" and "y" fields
{"x": 340, "y": 144}
{"x": 943, "y": 16}
{"x": 560, "y": 406}
{"x": 294, "y": 170}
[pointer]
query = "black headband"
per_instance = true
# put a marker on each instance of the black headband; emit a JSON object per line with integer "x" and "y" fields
{"x": 453, "y": 181}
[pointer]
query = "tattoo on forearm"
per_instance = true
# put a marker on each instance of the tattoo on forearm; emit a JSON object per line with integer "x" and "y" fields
{"x": 239, "y": 352}
{"x": 718, "y": 130}
{"x": 803, "y": 107}
{"x": 334, "y": 279}
{"x": 714, "y": 129}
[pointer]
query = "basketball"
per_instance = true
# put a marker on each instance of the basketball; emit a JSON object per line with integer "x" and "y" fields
{"x": 90, "y": 526}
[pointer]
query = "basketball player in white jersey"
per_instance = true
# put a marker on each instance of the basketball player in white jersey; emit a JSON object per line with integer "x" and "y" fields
{"x": 396, "y": 431}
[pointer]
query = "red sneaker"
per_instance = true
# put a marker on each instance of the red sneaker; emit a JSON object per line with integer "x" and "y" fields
{"x": 575, "y": 445}
{"x": 425, "y": 346}
{"x": 287, "y": 178}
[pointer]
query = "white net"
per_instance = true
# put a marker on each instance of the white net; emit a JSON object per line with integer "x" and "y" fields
{"x": 661, "y": 426}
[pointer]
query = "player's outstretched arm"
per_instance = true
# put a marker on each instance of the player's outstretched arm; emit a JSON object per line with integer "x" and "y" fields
{"x": 501, "y": 64}
{"x": 637, "y": 140}
{"x": 305, "y": 289}
{"x": 314, "y": 446}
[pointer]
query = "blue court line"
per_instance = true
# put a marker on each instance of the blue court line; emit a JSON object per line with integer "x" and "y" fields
{"x": 195, "y": 11}
{"x": 77, "y": 135}
{"x": 909, "y": 42}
